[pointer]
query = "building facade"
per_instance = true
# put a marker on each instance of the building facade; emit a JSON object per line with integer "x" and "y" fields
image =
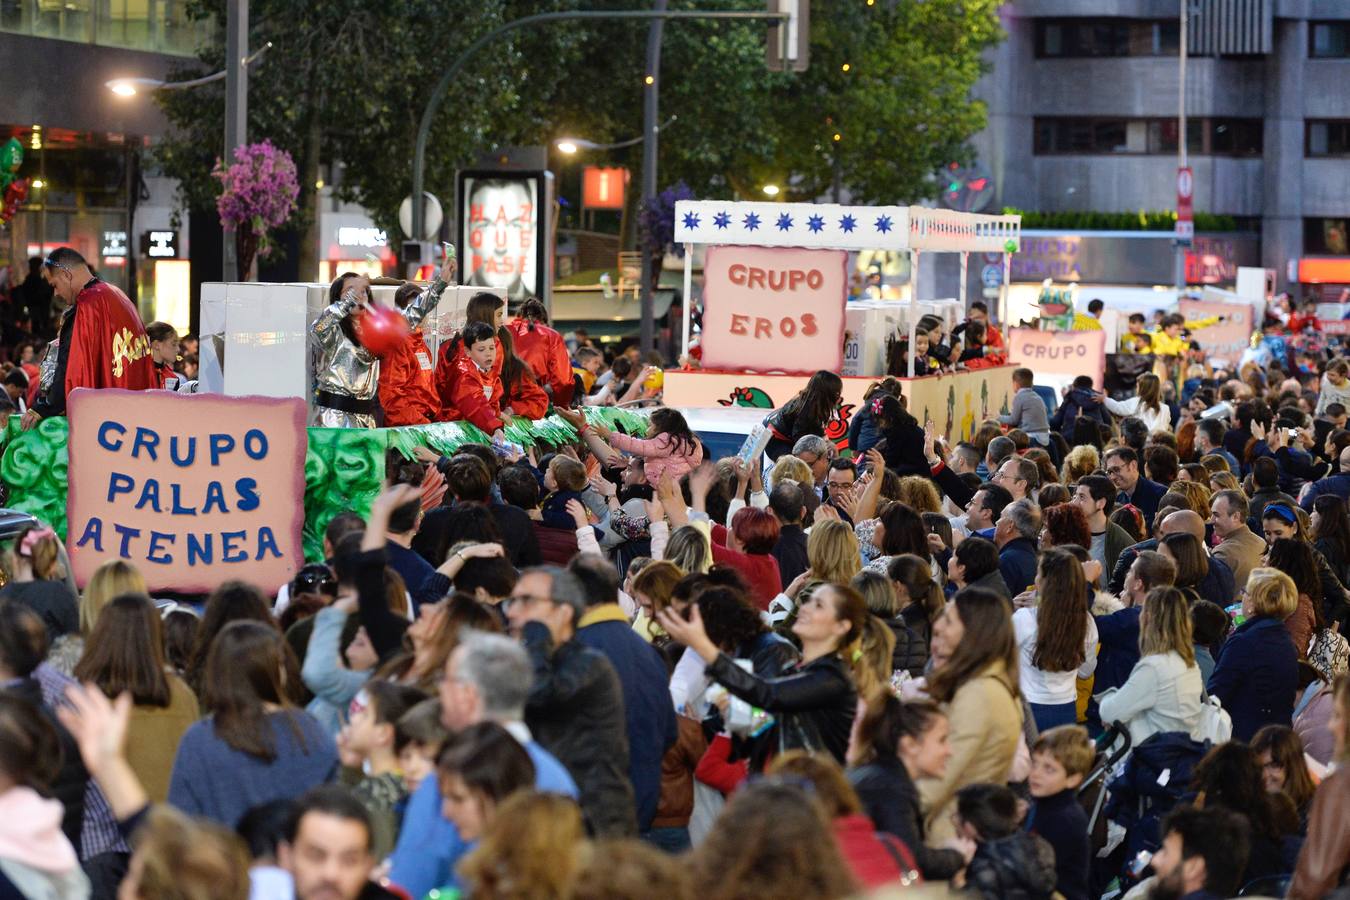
{"x": 1083, "y": 101}
{"x": 91, "y": 185}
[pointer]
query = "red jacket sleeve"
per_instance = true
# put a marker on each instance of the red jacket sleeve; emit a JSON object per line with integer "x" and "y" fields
{"x": 528, "y": 399}
{"x": 715, "y": 768}
{"x": 469, "y": 400}
{"x": 398, "y": 395}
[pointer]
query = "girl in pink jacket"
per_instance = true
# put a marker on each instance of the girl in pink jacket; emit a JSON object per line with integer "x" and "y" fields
{"x": 669, "y": 447}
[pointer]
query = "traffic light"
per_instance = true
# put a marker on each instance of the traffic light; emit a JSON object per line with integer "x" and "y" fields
{"x": 788, "y": 48}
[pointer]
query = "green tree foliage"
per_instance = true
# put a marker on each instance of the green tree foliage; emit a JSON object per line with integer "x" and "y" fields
{"x": 346, "y": 80}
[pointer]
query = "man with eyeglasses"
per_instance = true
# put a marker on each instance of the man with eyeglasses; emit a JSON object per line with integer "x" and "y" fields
{"x": 838, "y": 480}
{"x": 575, "y": 707}
{"x": 984, "y": 509}
{"x": 1122, "y": 467}
{"x": 486, "y": 679}
{"x": 102, "y": 342}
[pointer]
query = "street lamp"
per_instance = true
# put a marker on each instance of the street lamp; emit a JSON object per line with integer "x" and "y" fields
{"x": 770, "y": 190}
{"x": 130, "y": 87}
{"x": 570, "y": 145}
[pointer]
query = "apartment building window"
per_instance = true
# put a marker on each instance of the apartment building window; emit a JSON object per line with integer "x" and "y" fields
{"x": 1329, "y": 40}
{"x": 1064, "y": 135}
{"x": 1079, "y": 38}
{"x": 1325, "y": 237}
{"x": 1328, "y": 138}
{"x": 1205, "y": 136}
{"x": 162, "y": 26}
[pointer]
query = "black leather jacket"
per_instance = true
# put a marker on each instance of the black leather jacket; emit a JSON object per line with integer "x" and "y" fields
{"x": 575, "y": 711}
{"x": 814, "y": 703}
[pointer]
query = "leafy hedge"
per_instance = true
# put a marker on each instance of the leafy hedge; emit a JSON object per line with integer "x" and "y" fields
{"x": 1141, "y": 220}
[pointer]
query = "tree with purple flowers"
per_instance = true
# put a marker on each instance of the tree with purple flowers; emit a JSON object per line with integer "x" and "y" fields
{"x": 258, "y": 195}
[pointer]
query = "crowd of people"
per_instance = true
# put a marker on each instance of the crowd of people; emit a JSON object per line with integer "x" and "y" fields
{"x": 1091, "y": 651}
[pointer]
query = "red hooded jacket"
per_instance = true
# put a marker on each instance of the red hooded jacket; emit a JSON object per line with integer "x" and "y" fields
{"x": 406, "y": 390}
{"x": 448, "y": 357}
{"x": 474, "y": 395}
{"x": 526, "y": 398}
{"x": 546, "y": 353}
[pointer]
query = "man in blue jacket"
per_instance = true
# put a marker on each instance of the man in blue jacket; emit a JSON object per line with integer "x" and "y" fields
{"x": 1016, "y": 533}
{"x": 649, "y": 711}
{"x": 1122, "y": 467}
{"x": 487, "y": 679}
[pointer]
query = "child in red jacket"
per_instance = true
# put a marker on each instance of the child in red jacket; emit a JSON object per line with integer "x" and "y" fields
{"x": 475, "y": 391}
{"x": 406, "y": 390}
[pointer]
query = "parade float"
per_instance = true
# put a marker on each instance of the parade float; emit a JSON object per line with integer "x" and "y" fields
{"x": 776, "y": 308}
{"x": 198, "y": 489}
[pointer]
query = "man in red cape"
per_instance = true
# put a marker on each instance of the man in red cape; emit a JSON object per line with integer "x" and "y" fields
{"x": 102, "y": 343}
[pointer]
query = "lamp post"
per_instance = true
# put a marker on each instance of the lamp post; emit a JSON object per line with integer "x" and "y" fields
{"x": 130, "y": 87}
{"x": 235, "y": 75}
{"x": 570, "y": 145}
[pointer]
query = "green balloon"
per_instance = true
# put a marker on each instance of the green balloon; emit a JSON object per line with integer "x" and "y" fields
{"x": 11, "y": 156}
{"x": 1010, "y": 246}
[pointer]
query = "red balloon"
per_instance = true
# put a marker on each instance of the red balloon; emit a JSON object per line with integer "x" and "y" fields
{"x": 19, "y": 189}
{"x": 382, "y": 329}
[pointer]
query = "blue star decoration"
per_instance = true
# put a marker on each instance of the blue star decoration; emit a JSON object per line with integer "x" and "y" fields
{"x": 722, "y": 220}
{"x": 848, "y": 223}
{"x": 751, "y": 221}
{"x": 785, "y": 222}
{"x": 884, "y": 224}
{"x": 816, "y": 224}
{"x": 690, "y": 221}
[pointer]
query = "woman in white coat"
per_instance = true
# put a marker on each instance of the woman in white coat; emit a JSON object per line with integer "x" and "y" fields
{"x": 1146, "y": 404}
{"x": 1164, "y": 688}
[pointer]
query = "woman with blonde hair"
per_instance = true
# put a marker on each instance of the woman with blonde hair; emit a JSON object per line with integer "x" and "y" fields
{"x": 920, "y": 494}
{"x": 790, "y": 467}
{"x": 1081, "y": 460}
{"x": 1164, "y": 687}
{"x": 832, "y": 550}
{"x": 531, "y": 850}
{"x": 689, "y": 549}
{"x": 1256, "y": 674}
{"x": 1198, "y": 496}
{"x": 1222, "y": 481}
{"x": 1146, "y": 405}
{"x": 112, "y": 579}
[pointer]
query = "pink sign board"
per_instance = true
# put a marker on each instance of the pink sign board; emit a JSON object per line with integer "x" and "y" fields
{"x": 774, "y": 309}
{"x": 194, "y": 490}
{"x": 1060, "y": 352}
{"x": 1223, "y": 340}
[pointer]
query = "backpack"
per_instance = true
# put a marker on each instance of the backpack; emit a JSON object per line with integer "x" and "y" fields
{"x": 1215, "y": 724}
{"x": 1329, "y": 654}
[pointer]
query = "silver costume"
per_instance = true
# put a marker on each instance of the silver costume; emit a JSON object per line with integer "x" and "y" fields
{"x": 347, "y": 369}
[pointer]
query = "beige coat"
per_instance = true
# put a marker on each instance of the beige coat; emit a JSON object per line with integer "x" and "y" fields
{"x": 1242, "y": 550}
{"x": 986, "y": 720}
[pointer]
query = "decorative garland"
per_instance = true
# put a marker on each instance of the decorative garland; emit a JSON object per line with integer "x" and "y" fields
{"x": 344, "y": 467}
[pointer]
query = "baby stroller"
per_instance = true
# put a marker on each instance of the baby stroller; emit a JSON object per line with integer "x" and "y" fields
{"x": 1112, "y": 745}
{"x": 1155, "y": 779}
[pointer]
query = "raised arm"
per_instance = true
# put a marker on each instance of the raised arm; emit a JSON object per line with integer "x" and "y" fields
{"x": 327, "y": 327}
{"x": 418, "y": 310}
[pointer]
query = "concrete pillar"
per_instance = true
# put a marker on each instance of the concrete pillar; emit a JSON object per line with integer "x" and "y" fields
{"x": 1282, "y": 219}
